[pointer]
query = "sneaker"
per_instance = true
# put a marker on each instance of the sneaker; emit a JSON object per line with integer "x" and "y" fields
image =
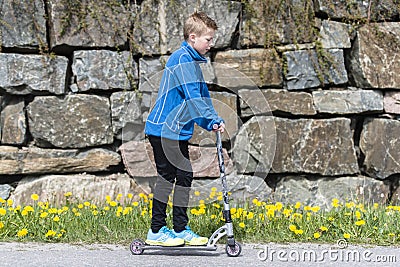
{"x": 164, "y": 237}
{"x": 191, "y": 238}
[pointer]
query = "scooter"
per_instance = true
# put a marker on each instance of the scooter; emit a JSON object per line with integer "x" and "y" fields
{"x": 232, "y": 248}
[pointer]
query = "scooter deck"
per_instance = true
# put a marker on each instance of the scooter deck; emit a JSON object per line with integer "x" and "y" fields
{"x": 183, "y": 247}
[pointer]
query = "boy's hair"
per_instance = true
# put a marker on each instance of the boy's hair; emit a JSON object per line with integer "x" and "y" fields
{"x": 198, "y": 23}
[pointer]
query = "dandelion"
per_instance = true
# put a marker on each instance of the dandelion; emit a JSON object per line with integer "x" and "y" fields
{"x": 213, "y": 216}
{"x": 317, "y": 235}
{"x": 130, "y": 196}
{"x": 68, "y": 194}
{"x": 359, "y": 223}
{"x": 135, "y": 204}
{"x": 95, "y": 212}
{"x": 23, "y": 232}
{"x": 335, "y": 203}
{"x": 298, "y": 232}
{"x": 43, "y": 214}
{"x": 50, "y": 233}
{"x": 292, "y": 227}
{"x": 113, "y": 204}
{"x": 278, "y": 205}
{"x": 80, "y": 206}
{"x": 56, "y": 219}
{"x": 391, "y": 234}
{"x": 10, "y": 202}
{"x": 34, "y": 197}
{"x": 242, "y": 225}
{"x": 3, "y": 211}
{"x": 298, "y": 205}
{"x": 315, "y": 209}
{"x": 323, "y": 228}
{"x": 86, "y": 204}
{"x": 250, "y": 215}
{"x": 1, "y": 225}
{"x": 346, "y": 235}
{"x": 358, "y": 215}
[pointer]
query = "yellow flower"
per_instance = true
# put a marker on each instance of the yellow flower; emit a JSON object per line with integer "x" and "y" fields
{"x": 56, "y": 219}
{"x": 95, "y": 212}
{"x": 1, "y": 225}
{"x": 287, "y": 212}
{"x": 9, "y": 202}
{"x": 86, "y": 204}
{"x": 323, "y": 228}
{"x": 80, "y": 206}
{"x": 113, "y": 203}
{"x": 194, "y": 211}
{"x": 391, "y": 234}
{"x": 298, "y": 205}
{"x": 350, "y": 205}
{"x": 119, "y": 196}
{"x": 43, "y": 214}
{"x": 292, "y": 227}
{"x": 3, "y": 211}
{"x": 346, "y": 235}
{"x": 242, "y": 225}
{"x": 50, "y": 233}
{"x": 213, "y": 189}
{"x": 298, "y": 232}
{"x": 77, "y": 214}
{"x": 335, "y": 203}
{"x": 216, "y": 205}
{"x": 213, "y": 216}
{"x": 376, "y": 205}
{"x": 68, "y": 194}
{"x": 358, "y": 214}
{"x": 22, "y": 232}
{"x": 315, "y": 209}
{"x": 135, "y": 204}
{"x": 278, "y": 206}
{"x": 233, "y": 211}
{"x": 34, "y": 197}
{"x": 250, "y": 215}
{"x": 361, "y": 222}
{"x": 197, "y": 193}
{"x": 130, "y": 196}
{"x": 317, "y": 235}
{"x": 2, "y": 200}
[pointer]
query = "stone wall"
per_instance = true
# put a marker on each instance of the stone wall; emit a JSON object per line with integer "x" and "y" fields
{"x": 309, "y": 91}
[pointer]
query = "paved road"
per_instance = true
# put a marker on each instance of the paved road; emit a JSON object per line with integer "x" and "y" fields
{"x": 37, "y": 254}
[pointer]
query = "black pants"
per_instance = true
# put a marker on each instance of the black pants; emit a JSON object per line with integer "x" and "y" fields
{"x": 173, "y": 167}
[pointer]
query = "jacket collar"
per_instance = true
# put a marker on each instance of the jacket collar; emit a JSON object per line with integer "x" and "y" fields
{"x": 193, "y": 53}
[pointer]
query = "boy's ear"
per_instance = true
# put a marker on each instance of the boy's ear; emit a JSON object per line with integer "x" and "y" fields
{"x": 192, "y": 37}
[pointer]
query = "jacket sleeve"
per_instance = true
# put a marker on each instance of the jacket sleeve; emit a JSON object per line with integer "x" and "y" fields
{"x": 198, "y": 104}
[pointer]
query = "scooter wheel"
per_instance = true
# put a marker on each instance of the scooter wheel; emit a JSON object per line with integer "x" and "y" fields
{"x": 137, "y": 246}
{"x": 233, "y": 251}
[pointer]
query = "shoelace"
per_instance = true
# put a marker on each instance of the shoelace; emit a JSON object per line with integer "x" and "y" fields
{"x": 190, "y": 232}
{"x": 168, "y": 233}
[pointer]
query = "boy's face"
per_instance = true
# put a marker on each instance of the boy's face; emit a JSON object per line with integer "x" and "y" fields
{"x": 202, "y": 43}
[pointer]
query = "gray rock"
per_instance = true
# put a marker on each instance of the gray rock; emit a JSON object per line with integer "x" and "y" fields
{"x": 261, "y": 66}
{"x": 102, "y": 69}
{"x": 307, "y": 69}
{"x": 13, "y": 122}
{"x": 320, "y": 192}
{"x": 26, "y": 74}
{"x": 88, "y": 118}
{"x": 319, "y": 146}
{"x": 158, "y": 27}
{"x": 254, "y": 146}
{"x": 262, "y": 102}
{"x": 139, "y": 162}
{"x": 379, "y": 143}
{"x": 334, "y": 34}
{"x": 5, "y": 191}
{"x": 373, "y": 61}
{"x": 225, "y": 105}
{"x": 126, "y": 116}
{"x": 23, "y": 24}
{"x": 348, "y": 101}
{"x": 266, "y": 23}
{"x": 84, "y": 187}
{"x": 88, "y": 23}
{"x": 341, "y": 10}
{"x": 30, "y": 160}
{"x": 391, "y": 102}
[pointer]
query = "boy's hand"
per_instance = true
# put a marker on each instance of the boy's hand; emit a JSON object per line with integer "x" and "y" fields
{"x": 220, "y": 127}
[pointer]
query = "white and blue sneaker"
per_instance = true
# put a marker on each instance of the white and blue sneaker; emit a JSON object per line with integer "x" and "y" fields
{"x": 164, "y": 237}
{"x": 191, "y": 238}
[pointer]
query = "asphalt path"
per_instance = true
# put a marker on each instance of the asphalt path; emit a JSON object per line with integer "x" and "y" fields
{"x": 271, "y": 254}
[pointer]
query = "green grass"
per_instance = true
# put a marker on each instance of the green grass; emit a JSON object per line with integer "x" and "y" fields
{"x": 120, "y": 220}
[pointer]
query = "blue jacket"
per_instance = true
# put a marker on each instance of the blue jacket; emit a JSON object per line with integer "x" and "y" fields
{"x": 183, "y": 98}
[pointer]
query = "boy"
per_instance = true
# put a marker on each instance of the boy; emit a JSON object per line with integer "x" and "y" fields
{"x": 183, "y": 99}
